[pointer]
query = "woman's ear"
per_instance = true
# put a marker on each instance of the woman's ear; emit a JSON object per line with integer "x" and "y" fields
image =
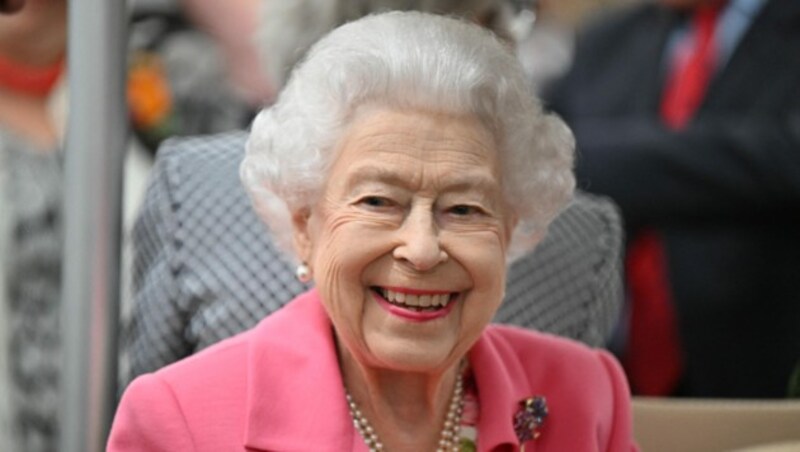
{"x": 303, "y": 243}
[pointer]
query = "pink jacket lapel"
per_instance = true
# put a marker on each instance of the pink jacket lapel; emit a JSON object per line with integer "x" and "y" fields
{"x": 295, "y": 396}
{"x": 502, "y": 382}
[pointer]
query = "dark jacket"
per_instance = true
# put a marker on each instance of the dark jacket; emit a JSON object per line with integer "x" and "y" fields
{"x": 724, "y": 192}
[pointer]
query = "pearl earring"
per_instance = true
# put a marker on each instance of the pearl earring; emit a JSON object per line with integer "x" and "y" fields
{"x": 303, "y": 273}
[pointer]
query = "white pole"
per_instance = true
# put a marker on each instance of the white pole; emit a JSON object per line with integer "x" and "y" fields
{"x": 94, "y": 156}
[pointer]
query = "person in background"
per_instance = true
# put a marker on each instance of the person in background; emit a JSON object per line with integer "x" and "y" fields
{"x": 194, "y": 68}
{"x": 6, "y": 7}
{"x": 32, "y": 73}
{"x": 233, "y": 26}
{"x": 687, "y": 114}
{"x": 393, "y": 165}
{"x": 33, "y": 117}
{"x": 545, "y": 34}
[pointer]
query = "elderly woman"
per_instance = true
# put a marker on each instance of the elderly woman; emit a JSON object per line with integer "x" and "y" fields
{"x": 394, "y": 166}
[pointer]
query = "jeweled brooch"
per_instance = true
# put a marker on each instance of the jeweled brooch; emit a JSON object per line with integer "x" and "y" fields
{"x": 529, "y": 419}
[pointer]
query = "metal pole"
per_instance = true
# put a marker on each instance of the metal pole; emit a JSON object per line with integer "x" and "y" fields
{"x": 94, "y": 158}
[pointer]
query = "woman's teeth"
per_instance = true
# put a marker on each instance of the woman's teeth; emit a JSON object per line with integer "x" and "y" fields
{"x": 435, "y": 301}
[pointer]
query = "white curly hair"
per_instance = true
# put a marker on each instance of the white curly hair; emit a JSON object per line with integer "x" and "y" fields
{"x": 407, "y": 60}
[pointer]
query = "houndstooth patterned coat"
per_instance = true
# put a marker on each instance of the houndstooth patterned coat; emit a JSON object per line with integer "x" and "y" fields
{"x": 205, "y": 267}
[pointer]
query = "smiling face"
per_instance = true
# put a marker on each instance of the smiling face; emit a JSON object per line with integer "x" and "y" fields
{"x": 408, "y": 240}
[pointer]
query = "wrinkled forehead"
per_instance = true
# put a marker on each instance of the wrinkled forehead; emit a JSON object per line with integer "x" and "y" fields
{"x": 403, "y": 147}
{"x": 418, "y": 133}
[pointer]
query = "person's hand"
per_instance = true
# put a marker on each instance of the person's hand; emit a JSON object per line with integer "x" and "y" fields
{"x": 11, "y": 6}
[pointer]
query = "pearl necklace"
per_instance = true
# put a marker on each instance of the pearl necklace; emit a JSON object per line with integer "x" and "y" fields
{"x": 448, "y": 440}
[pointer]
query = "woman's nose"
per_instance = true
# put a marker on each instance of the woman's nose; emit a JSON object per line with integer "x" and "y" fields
{"x": 419, "y": 242}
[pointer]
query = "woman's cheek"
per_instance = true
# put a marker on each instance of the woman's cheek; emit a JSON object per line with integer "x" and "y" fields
{"x": 484, "y": 246}
{"x": 342, "y": 252}
{"x": 483, "y": 255}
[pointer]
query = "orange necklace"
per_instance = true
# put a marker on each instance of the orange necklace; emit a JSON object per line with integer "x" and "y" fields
{"x": 31, "y": 80}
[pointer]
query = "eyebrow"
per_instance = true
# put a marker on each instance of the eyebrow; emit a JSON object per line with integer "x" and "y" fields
{"x": 459, "y": 182}
{"x": 375, "y": 174}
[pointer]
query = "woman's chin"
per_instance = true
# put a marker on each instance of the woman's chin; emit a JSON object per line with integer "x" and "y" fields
{"x": 407, "y": 356}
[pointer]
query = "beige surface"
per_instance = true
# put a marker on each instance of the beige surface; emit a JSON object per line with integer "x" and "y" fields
{"x": 689, "y": 425}
{"x": 792, "y": 446}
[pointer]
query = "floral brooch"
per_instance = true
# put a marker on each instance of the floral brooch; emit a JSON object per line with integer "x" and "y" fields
{"x": 529, "y": 419}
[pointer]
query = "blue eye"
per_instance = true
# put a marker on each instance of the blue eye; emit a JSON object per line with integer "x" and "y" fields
{"x": 375, "y": 201}
{"x": 464, "y": 210}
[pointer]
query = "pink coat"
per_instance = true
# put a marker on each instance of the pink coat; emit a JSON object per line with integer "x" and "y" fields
{"x": 278, "y": 387}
